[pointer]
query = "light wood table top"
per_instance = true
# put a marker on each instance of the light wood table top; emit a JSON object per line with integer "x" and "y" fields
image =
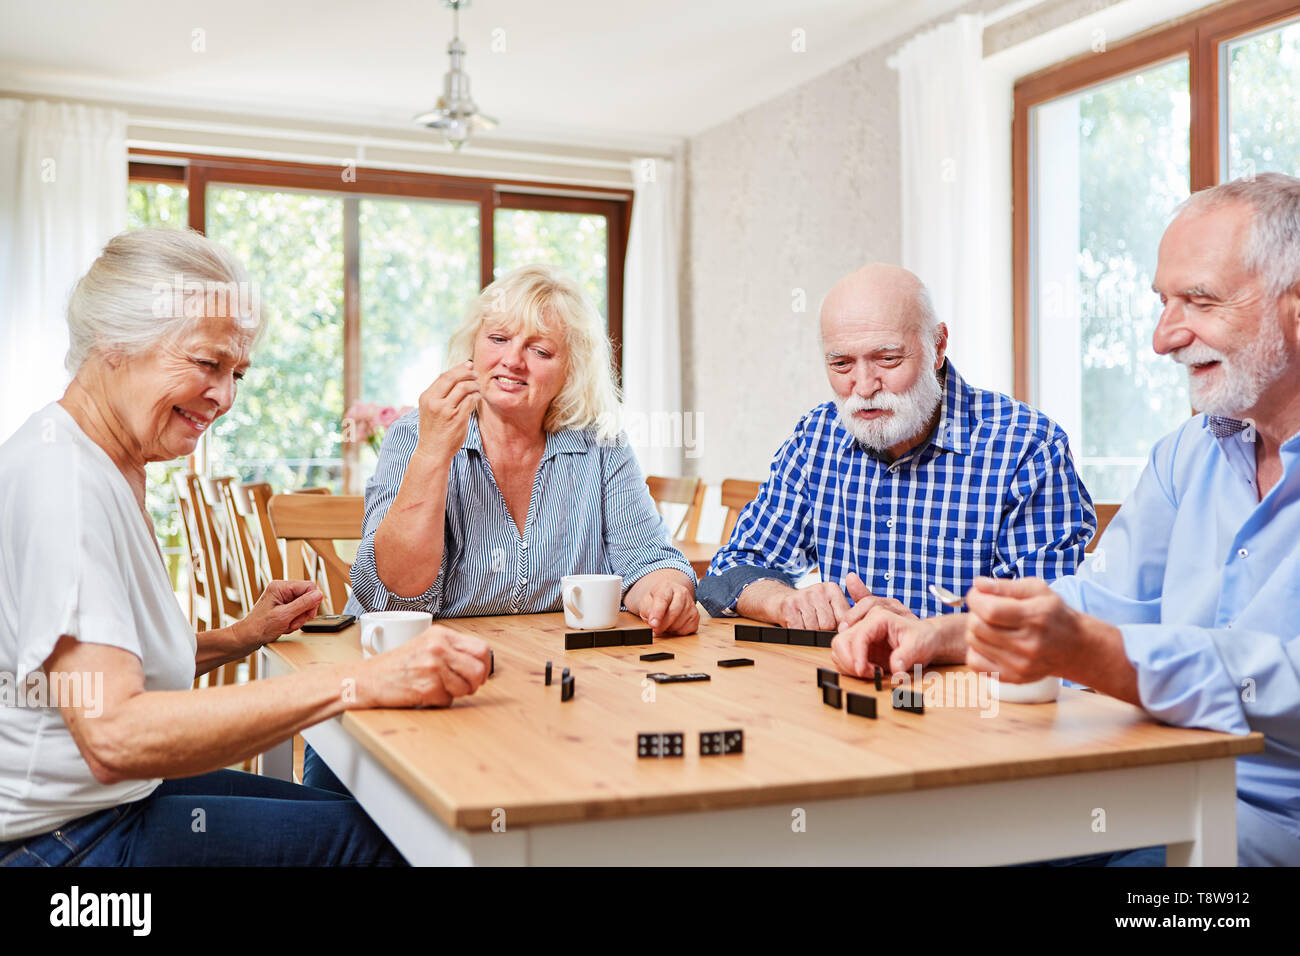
{"x": 515, "y": 745}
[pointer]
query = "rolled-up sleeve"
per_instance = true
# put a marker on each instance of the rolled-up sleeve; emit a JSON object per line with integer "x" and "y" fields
{"x": 772, "y": 537}
{"x": 636, "y": 537}
{"x": 1050, "y": 519}
{"x": 368, "y": 591}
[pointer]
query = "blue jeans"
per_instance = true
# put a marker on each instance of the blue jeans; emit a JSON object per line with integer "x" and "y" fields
{"x": 316, "y": 773}
{"x": 225, "y": 818}
{"x": 1147, "y": 856}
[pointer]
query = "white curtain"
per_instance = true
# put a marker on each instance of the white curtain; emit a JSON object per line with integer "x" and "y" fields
{"x": 63, "y": 176}
{"x": 652, "y": 378}
{"x": 945, "y": 209}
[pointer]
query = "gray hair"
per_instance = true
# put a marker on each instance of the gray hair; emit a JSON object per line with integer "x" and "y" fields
{"x": 1273, "y": 249}
{"x": 151, "y": 284}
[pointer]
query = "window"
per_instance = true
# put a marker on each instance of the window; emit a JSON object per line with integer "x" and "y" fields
{"x": 362, "y": 280}
{"x": 1105, "y": 146}
{"x": 285, "y": 424}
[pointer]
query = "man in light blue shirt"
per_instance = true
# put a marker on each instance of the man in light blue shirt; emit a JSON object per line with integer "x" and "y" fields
{"x": 1191, "y": 607}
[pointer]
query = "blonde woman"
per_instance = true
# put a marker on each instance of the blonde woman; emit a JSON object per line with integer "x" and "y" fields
{"x": 510, "y": 474}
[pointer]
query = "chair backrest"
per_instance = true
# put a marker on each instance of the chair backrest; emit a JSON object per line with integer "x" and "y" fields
{"x": 309, "y": 524}
{"x": 243, "y": 544}
{"x": 204, "y": 611}
{"x": 1104, "y": 515}
{"x": 269, "y": 558}
{"x": 679, "y": 491}
{"x": 736, "y": 493}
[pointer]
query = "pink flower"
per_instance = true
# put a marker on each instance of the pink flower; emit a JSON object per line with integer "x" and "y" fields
{"x": 387, "y": 415}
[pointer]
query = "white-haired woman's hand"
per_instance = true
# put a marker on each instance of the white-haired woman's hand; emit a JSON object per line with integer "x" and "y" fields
{"x": 445, "y": 408}
{"x": 427, "y": 671}
{"x": 283, "y": 607}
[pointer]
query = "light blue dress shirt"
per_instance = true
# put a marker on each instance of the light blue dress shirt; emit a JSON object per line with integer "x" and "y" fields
{"x": 590, "y": 513}
{"x": 1203, "y": 580}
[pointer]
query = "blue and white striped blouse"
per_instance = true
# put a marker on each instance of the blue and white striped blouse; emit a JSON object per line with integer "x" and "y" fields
{"x": 590, "y": 513}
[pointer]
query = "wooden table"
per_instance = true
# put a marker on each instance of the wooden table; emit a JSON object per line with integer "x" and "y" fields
{"x": 512, "y": 775}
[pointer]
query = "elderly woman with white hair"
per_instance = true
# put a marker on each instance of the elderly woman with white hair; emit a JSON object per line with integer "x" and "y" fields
{"x": 119, "y": 761}
{"x": 512, "y": 473}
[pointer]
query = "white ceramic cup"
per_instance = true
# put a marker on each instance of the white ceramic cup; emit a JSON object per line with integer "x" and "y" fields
{"x": 1035, "y": 692}
{"x": 383, "y": 630}
{"x": 591, "y": 601}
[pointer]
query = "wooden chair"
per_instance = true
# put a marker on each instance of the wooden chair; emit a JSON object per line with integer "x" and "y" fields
{"x": 1104, "y": 515}
{"x": 309, "y": 525}
{"x": 679, "y": 491}
{"x": 244, "y": 549}
{"x": 736, "y": 493}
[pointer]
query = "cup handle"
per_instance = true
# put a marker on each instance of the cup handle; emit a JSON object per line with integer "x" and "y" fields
{"x": 368, "y": 639}
{"x": 570, "y": 594}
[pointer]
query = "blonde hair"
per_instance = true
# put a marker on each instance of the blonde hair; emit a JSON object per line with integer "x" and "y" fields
{"x": 543, "y": 300}
{"x": 150, "y": 284}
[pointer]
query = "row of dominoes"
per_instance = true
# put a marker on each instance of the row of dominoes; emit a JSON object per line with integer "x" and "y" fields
{"x": 860, "y": 704}
{"x": 566, "y": 682}
{"x": 713, "y": 743}
{"x": 627, "y": 637}
{"x": 783, "y": 635}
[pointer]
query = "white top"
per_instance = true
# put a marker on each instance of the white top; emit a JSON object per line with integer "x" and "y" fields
{"x": 77, "y": 557}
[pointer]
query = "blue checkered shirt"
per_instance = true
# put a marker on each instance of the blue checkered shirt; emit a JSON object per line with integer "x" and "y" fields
{"x": 992, "y": 491}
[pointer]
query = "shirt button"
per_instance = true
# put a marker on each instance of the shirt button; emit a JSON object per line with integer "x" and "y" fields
{"x": 1242, "y": 552}
{"x": 889, "y": 523}
{"x": 524, "y": 546}
{"x": 887, "y": 576}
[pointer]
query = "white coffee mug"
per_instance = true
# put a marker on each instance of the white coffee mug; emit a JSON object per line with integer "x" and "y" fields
{"x": 383, "y": 630}
{"x": 1035, "y": 692}
{"x": 591, "y": 601}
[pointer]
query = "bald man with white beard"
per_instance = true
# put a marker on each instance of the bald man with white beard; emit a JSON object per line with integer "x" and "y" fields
{"x": 908, "y": 477}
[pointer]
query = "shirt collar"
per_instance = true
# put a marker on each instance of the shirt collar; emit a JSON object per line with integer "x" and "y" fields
{"x": 570, "y": 441}
{"x": 1221, "y": 426}
{"x": 952, "y": 432}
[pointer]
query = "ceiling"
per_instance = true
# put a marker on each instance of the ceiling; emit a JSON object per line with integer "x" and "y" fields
{"x": 602, "y": 70}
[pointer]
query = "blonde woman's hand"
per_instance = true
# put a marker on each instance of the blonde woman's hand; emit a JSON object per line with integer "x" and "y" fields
{"x": 445, "y": 408}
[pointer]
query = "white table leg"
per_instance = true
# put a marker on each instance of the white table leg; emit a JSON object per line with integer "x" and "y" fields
{"x": 1214, "y": 818}
{"x": 278, "y": 761}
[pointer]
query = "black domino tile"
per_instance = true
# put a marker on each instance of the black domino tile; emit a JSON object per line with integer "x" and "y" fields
{"x": 803, "y": 638}
{"x": 576, "y": 640}
{"x": 861, "y": 705}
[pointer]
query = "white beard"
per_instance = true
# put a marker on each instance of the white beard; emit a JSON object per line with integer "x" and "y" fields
{"x": 912, "y": 412}
{"x": 1242, "y": 379}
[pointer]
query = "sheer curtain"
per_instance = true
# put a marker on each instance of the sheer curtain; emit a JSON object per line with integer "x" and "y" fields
{"x": 652, "y": 376}
{"x": 63, "y": 177}
{"x": 945, "y": 209}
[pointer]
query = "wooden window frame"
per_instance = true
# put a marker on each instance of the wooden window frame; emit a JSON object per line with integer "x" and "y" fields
{"x": 196, "y": 171}
{"x": 1197, "y": 36}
